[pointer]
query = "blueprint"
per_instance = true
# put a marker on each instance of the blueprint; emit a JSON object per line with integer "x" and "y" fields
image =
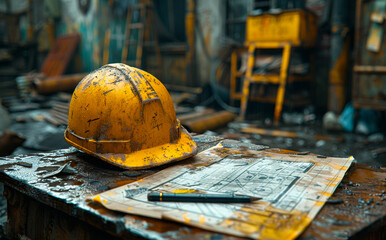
{"x": 293, "y": 189}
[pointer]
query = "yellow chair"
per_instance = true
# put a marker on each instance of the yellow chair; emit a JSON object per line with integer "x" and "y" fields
{"x": 286, "y": 30}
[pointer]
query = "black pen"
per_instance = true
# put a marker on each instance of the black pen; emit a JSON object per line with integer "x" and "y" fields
{"x": 200, "y": 197}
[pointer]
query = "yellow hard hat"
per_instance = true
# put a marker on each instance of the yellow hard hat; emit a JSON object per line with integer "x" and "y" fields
{"x": 125, "y": 116}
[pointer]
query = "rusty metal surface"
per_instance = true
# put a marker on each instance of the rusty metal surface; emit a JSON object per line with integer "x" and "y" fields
{"x": 358, "y": 210}
{"x": 362, "y": 29}
{"x": 208, "y": 121}
{"x": 369, "y": 82}
{"x": 60, "y": 54}
{"x": 57, "y": 84}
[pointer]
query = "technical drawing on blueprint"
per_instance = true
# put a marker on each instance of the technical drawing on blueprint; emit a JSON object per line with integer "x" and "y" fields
{"x": 293, "y": 189}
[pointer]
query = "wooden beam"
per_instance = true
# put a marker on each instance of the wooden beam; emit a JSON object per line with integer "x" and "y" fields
{"x": 369, "y": 69}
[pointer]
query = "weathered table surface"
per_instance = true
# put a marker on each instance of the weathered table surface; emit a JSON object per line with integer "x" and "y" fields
{"x": 56, "y": 207}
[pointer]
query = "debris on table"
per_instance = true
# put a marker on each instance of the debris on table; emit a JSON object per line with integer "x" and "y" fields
{"x": 24, "y": 164}
{"x": 66, "y": 168}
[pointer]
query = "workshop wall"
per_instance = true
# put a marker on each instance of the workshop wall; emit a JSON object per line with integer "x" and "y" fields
{"x": 209, "y": 33}
{"x": 90, "y": 20}
{"x": 94, "y": 18}
{"x": 370, "y": 86}
{"x": 52, "y": 18}
{"x": 172, "y": 38}
{"x": 14, "y": 7}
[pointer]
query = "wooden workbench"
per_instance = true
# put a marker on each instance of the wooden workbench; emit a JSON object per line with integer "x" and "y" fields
{"x": 56, "y": 207}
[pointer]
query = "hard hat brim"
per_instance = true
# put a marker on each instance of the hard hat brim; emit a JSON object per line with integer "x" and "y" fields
{"x": 184, "y": 148}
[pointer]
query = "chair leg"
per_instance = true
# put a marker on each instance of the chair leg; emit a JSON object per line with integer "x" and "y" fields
{"x": 283, "y": 80}
{"x": 246, "y": 83}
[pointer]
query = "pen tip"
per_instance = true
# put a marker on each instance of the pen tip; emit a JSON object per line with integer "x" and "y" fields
{"x": 253, "y": 199}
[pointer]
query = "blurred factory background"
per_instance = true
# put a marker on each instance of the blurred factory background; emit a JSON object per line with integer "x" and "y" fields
{"x": 305, "y": 75}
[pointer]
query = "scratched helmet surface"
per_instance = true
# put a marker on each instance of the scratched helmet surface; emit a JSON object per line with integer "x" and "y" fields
{"x": 125, "y": 116}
